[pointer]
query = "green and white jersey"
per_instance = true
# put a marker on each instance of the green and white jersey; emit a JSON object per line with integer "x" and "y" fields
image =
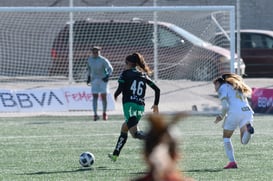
{"x": 132, "y": 85}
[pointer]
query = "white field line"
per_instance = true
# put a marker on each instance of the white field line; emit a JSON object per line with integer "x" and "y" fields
{"x": 56, "y": 136}
{"x": 114, "y": 134}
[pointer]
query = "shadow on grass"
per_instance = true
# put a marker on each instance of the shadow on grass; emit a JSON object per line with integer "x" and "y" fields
{"x": 185, "y": 171}
{"x": 204, "y": 170}
{"x": 68, "y": 171}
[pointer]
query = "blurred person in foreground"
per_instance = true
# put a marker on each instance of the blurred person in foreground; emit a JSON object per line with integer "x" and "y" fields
{"x": 236, "y": 112}
{"x": 161, "y": 150}
{"x": 99, "y": 71}
{"x": 132, "y": 84}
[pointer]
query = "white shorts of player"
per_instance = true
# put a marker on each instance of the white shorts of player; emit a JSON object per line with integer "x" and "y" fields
{"x": 99, "y": 86}
{"x": 237, "y": 119}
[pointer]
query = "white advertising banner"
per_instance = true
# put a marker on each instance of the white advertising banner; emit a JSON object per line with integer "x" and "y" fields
{"x": 81, "y": 98}
{"x": 33, "y": 100}
{"x": 8, "y": 101}
{"x": 51, "y": 100}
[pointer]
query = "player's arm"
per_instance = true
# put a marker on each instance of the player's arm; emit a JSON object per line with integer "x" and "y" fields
{"x": 157, "y": 95}
{"x": 108, "y": 70}
{"x": 225, "y": 107}
{"x": 119, "y": 90}
{"x": 88, "y": 78}
{"x": 121, "y": 82}
{"x": 222, "y": 92}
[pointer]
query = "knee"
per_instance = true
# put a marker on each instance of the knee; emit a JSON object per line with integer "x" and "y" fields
{"x": 103, "y": 96}
{"x": 95, "y": 97}
{"x": 132, "y": 122}
{"x": 124, "y": 128}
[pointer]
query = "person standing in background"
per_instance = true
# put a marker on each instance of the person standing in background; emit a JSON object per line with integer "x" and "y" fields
{"x": 99, "y": 71}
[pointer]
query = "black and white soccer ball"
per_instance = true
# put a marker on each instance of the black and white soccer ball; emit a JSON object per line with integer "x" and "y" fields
{"x": 87, "y": 159}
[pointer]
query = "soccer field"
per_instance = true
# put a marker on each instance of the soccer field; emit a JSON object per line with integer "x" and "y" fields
{"x": 48, "y": 148}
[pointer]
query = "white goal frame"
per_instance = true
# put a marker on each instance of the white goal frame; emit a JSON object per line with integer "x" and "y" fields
{"x": 13, "y": 88}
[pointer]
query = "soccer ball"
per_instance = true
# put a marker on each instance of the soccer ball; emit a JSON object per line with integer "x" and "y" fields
{"x": 87, "y": 159}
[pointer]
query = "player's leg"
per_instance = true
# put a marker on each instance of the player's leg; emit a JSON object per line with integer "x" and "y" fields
{"x": 132, "y": 126}
{"x": 104, "y": 105}
{"x": 245, "y": 135}
{"x": 246, "y": 128}
{"x": 229, "y": 125}
{"x": 123, "y": 133}
{"x": 132, "y": 113}
{"x": 95, "y": 88}
{"x": 95, "y": 106}
{"x": 229, "y": 149}
{"x": 136, "y": 112}
{"x": 103, "y": 90}
{"x": 120, "y": 143}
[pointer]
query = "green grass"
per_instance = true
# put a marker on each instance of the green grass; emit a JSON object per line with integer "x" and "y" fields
{"x": 48, "y": 148}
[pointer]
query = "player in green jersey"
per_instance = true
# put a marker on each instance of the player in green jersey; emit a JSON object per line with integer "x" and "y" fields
{"x": 132, "y": 85}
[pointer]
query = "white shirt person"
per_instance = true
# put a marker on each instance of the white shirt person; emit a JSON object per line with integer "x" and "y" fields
{"x": 99, "y": 71}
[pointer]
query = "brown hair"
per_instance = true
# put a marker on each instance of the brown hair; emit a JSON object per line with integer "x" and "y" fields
{"x": 236, "y": 81}
{"x": 138, "y": 60}
{"x": 161, "y": 149}
{"x": 159, "y": 133}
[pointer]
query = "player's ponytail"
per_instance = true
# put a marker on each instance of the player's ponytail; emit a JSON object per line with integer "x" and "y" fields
{"x": 140, "y": 61}
{"x": 237, "y": 82}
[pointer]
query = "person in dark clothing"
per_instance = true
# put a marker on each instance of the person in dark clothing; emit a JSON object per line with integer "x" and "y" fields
{"x": 132, "y": 85}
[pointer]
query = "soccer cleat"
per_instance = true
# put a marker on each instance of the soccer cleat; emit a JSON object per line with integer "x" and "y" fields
{"x": 104, "y": 116}
{"x": 250, "y": 129}
{"x": 231, "y": 165}
{"x": 113, "y": 157}
{"x": 140, "y": 135}
{"x": 96, "y": 117}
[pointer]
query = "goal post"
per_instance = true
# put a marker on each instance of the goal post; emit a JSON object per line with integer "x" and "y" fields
{"x": 29, "y": 25}
{"x": 48, "y": 46}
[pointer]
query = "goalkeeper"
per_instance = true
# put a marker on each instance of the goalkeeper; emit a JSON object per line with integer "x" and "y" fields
{"x": 132, "y": 85}
{"x": 99, "y": 71}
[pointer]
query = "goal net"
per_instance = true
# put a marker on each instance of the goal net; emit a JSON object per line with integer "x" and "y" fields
{"x": 45, "y": 47}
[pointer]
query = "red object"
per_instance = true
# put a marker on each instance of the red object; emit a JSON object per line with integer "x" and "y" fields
{"x": 231, "y": 165}
{"x": 105, "y": 117}
{"x": 262, "y": 100}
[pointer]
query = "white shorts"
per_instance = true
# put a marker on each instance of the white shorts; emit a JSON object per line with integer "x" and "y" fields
{"x": 99, "y": 86}
{"x": 237, "y": 119}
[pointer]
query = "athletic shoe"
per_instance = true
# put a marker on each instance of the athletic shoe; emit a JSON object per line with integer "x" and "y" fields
{"x": 113, "y": 157}
{"x": 104, "y": 116}
{"x": 250, "y": 129}
{"x": 96, "y": 117}
{"x": 231, "y": 165}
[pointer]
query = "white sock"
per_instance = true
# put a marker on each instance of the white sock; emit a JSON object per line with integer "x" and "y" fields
{"x": 229, "y": 149}
{"x": 246, "y": 137}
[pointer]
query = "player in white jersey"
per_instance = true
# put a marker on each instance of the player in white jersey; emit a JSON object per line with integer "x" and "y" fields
{"x": 236, "y": 112}
{"x": 99, "y": 71}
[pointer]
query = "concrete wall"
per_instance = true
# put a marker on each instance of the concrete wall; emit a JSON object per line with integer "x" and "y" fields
{"x": 256, "y": 14}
